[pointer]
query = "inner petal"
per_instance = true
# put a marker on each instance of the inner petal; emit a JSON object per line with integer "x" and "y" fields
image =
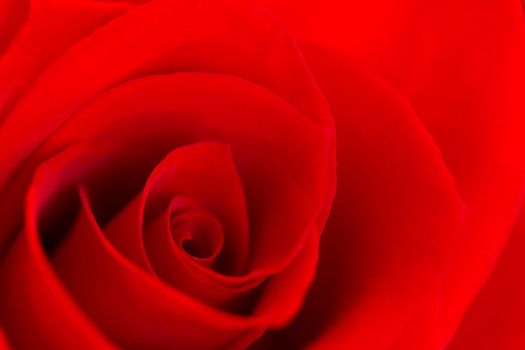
{"x": 280, "y": 155}
{"x": 205, "y": 174}
{"x": 176, "y": 266}
{"x": 199, "y": 234}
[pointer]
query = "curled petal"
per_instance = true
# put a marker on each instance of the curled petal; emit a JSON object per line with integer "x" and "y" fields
{"x": 286, "y": 192}
{"x": 30, "y": 52}
{"x": 254, "y": 123}
{"x": 162, "y": 36}
{"x": 36, "y": 310}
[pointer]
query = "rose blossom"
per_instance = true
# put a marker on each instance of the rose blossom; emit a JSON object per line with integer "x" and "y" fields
{"x": 230, "y": 174}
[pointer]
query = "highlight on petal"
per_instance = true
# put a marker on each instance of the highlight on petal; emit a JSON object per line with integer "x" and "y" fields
{"x": 4, "y": 345}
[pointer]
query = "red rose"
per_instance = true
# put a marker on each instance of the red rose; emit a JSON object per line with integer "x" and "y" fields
{"x": 168, "y": 169}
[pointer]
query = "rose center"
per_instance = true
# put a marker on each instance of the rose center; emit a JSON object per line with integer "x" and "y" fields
{"x": 198, "y": 234}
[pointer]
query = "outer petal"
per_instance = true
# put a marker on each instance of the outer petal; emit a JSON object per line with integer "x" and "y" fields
{"x": 36, "y": 310}
{"x": 460, "y": 65}
{"x": 12, "y": 14}
{"x": 44, "y": 30}
{"x": 394, "y": 219}
{"x": 136, "y": 45}
{"x": 231, "y": 37}
{"x": 496, "y": 319}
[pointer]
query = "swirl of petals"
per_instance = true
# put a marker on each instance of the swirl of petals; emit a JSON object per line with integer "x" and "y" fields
{"x": 150, "y": 39}
{"x": 113, "y": 287}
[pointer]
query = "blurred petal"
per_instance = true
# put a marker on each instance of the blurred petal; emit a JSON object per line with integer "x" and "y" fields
{"x": 12, "y": 14}
{"x": 4, "y": 345}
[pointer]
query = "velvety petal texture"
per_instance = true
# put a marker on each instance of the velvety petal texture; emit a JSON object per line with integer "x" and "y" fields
{"x": 63, "y": 22}
{"x": 460, "y": 67}
{"x": 395, "y": 216}
{"x": 135, "y": 45}
{"x": 172, "y": 186}
{"x": 168, "y": 174}
{"x": 496, "y": 317}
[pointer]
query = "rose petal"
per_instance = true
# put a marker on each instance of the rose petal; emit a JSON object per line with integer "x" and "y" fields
{"x": 158, "y": 37}
{"x": 63, "y": 22}
{"x": 134, "y": 310}
{"x": 125, "y": 302}
{"x": 12, "y": 14}
{"x": 124, "y": 137}
{"x": 460, "y": 65}
{"x": 193, "y": 171}
{"x": 36, "y": 310}
{"x": 252, "y": 121}
{"x": 395, "y": 217}
{"x": 495, "y": 320}
{"x": 284, "y": 293}
{"x": 175, "y": 267}
{"x": 132, "y": 307}
{"x": 129, "y": 51}
{"x": 206, "y": 173}
{"x": 198, "y": 234}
